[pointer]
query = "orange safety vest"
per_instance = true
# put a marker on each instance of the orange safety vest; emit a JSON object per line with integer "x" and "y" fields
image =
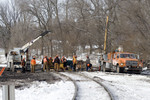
{"x": 33, "y": 62}
{"x": 45, "y": 60}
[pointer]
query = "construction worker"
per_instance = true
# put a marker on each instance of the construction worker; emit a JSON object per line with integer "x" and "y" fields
{"x": 100, "y": 62}
{"x": 50, "y": 63}
{"x": 64, "y": 61}
{"x": 33, "y": 63}
{"x": 23, "y": 63}
{"x": 42, "y": 65}
{"x": 45, "y": 62}
{"x": 74, "y": 62}
{"x": 56, "y": 63}
{"x": 88, "y": 64}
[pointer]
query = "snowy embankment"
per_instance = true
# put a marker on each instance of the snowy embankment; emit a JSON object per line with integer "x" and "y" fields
{"x": 0, "y": 93}
{"x": 44, "y": 91}
{"x": 125, "y": 86}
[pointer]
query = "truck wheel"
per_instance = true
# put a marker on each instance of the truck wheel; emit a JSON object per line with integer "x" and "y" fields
{"x": 104, "y": 70}
{"x": 118, "y": 69}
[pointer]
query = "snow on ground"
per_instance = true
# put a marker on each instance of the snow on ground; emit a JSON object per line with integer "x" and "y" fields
{"x": 146, "y": 71}
{"x": 44, "y": 91}
{"x": 0, "y": 93}
{"x": 3, "y": 65}
{"x": 88, "y": 90}
{"x": 91, "y": 91}
{"x": 125, "y": 86}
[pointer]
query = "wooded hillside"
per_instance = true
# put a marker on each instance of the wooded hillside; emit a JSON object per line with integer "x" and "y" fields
{"x": 76, "y": 23}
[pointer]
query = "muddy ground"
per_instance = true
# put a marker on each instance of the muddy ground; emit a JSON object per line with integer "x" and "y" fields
{"x": 26, "y": 79}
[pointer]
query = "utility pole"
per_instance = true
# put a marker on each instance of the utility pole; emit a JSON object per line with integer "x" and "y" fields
{"x": 105, "y": 40}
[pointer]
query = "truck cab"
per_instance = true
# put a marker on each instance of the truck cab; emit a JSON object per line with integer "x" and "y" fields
{"x": 122, "y": 62}
{"x": 14, "y": 58}
{"x": 125, "y": 61}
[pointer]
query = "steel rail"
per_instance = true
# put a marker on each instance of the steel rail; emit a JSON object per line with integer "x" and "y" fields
{"x": 100, "y": 83}
{"x": 75, "y": 85}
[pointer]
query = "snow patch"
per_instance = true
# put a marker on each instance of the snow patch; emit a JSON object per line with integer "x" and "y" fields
{"x": 44, "y": 91}
{"x": 125, "y": 86}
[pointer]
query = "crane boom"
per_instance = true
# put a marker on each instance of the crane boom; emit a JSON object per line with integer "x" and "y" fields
{"x": 15, "y": 55}
{"x": 27, "y": 45}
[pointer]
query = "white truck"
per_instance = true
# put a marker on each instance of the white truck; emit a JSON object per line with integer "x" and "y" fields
{"x": 15, "y": 55}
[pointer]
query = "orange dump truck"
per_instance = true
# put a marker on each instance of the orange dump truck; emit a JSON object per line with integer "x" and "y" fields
{"x": 121, "y": 62}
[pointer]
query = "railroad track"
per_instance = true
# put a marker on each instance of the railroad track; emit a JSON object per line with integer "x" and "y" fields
{"x": 79, "y": 79}
{"x": 73, "y": 81}
{"x": 105, "y": 87}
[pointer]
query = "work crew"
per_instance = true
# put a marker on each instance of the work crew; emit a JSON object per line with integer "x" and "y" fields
{"x": 45, "y": 64}
{"x": 33, "y": 63}
{"x": 64, "y": 61}
{"x": 42, "y": 65}
{"x": 88, "y": 64}
{"x": 100, "y": 63}
{"x": 23, "y": 63}
{"x": 50, "y": 62}
{"x": 74, "y": 62}
{"x": 56, "y": 63}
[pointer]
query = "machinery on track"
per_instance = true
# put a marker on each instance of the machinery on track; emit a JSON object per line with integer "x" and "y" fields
{"x": 15, "y": 55}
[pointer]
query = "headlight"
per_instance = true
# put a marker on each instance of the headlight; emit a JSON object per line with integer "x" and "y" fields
{"x": 121, "y": 64}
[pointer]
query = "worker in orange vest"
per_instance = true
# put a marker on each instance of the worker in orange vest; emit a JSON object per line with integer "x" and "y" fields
{"x": 33, "y": 63}
{"x": 88, "y": 64}
{"x": 45, "y": 61}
